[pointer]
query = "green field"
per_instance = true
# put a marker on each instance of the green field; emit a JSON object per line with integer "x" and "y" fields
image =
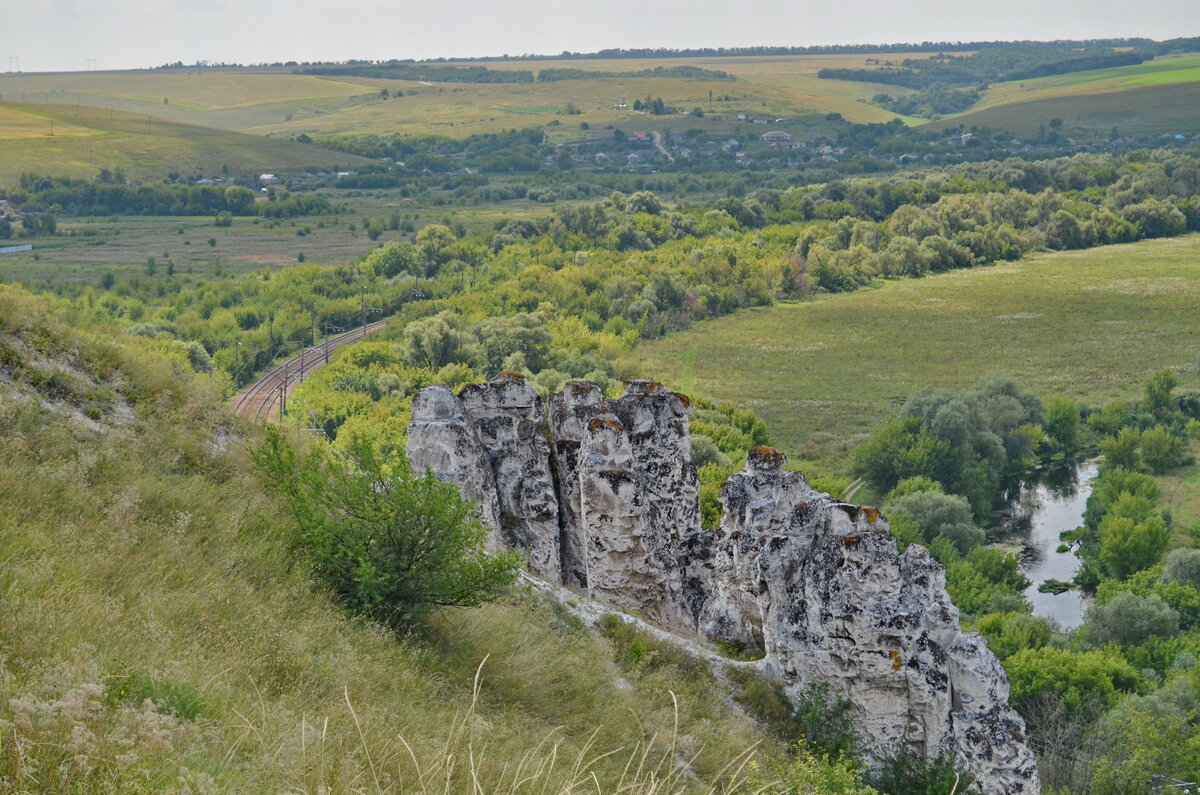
{"x": 86, "y": 248}
{"x": 1160, "y": 96}
{"x": 1090, "y": 325}
{"x": 78, "y": 141}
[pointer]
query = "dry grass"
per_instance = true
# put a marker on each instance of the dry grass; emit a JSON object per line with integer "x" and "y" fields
{"x": 143, "y": 561}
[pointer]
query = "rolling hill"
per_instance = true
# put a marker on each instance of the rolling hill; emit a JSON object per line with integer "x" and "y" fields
{"x": 1159, "y": 96}
{"x": 78, "y": 141}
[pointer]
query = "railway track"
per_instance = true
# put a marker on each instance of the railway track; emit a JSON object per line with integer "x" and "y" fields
{"x": 262, "y": 399}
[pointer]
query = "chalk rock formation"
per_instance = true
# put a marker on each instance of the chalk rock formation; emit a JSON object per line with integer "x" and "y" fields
{"x": 630, "y": 496}
{"x": 508, "y": 472}
{"x": 817, "y": 584}
{"x": 820, "y": 584}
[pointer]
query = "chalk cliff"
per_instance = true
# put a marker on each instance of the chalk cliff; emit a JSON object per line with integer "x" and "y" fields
{"x": 600, "y": 494}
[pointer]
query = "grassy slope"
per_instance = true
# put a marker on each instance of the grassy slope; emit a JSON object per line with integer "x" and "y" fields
{"x": 1160, "y": 96}
{"x": 142, "y": 560}
{"x": 96, "y": 138}
{"x": 1090, "y": 325}
{"x": 269, "y": 101}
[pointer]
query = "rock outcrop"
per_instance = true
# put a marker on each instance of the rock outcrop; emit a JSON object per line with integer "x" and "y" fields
{"x": 815, "y": 583}
{"x": 489, "y": 440}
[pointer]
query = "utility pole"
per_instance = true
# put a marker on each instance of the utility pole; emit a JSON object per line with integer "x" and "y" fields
{"x": 328, "y": 328}
{"x": 237, "y": 373}
{"x": 365, "y": 308}
{"x": 283, "y": 393}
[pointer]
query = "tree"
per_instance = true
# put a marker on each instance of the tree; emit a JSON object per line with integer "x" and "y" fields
{"x": 1158, "y": 392}
{"x": 1183, "y": 566}
{"x": 1160, "y": 450}
{"x": 1132, "y": 538}
{"x": 436, "y": 341}
{"x": 1128, "y": 620}
{"x": 390, "y": 544}
{"x": 1121, "y": 451}
{"x": 937, "y": 514}
{"x": 1062, "y": 423}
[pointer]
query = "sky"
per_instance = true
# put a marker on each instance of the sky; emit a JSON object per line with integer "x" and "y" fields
{"x": 55, "y": 35}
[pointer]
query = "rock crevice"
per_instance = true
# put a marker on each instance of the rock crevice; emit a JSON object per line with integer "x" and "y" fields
{"x": 815, "y": 583}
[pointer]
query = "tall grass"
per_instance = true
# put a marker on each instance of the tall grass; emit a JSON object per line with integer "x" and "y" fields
{"x": 158, "y": 631}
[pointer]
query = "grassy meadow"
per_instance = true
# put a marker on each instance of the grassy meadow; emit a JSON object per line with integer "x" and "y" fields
{"x": 1090, "y": 325}
{"x": 78, "y": 141}
{"x": 267, "y": 101}
{"x": 86, "y": 248}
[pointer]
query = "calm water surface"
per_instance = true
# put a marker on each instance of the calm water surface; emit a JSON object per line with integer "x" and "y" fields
{"x": 1041, "y": 512}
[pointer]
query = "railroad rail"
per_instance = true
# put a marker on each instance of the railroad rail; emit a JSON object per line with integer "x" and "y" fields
{"x": 263, "y": 398}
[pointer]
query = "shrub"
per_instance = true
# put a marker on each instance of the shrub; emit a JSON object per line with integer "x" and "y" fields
{"x": 1183, "y": 566}
{"x": 1128, "y": 619}
{"x": 390, "y": 544}
{"x": 705, "y": 451}
{"x": 936, "y": 514}
{"x": 907, "y": 773}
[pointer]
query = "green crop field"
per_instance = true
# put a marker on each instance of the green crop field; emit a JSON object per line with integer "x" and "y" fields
{"x": 1160, "y": 96}
{"x": 1145, "y": 110}
{"x": 1090, "y": 325}
{"x": 143, "y": 146}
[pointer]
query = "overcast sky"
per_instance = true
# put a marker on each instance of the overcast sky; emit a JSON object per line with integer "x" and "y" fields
{"x": 121, "y": 34}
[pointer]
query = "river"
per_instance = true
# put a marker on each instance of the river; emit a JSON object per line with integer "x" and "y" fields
{"x": 1041, "y": 512}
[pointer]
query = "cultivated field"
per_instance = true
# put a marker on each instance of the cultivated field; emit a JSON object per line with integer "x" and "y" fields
{"x": 1160, "y": 96}
{"x": 1090, "y": 325}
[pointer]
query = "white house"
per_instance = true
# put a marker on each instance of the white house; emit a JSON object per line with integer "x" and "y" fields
{"x": 774, "y": 137}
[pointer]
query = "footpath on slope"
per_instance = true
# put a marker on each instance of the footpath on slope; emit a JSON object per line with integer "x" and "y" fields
{"x": 264, "y": 397}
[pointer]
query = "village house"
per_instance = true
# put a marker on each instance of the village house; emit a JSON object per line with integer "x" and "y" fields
{"x": 641, "y": 138}
{"x": 269, "y": 179}
{"x": 775, "y": 137}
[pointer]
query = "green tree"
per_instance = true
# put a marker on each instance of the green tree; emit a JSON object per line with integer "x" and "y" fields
{"x": 939, "y": 515}
{"x": 1128, "y": 619}
{"x": 1070, "y": 678}
{"x": 1183, "y": 566}
{"x": 390, "y": 544}
{"x": 1158, "y": 392}
{"x": 436, "y": 341}
{"x": 1130, "y": 539}
{"x": 1160, "y": 450}
{"x": 1122, "y": 450}
{"x": 1062, "y": 423}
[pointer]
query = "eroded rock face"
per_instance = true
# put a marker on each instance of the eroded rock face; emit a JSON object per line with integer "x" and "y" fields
{"x": 509, "y": 471}
{"x": 820, "y": 585}
{"x": 817, "y": 584}
{"x": 630, "y": 496}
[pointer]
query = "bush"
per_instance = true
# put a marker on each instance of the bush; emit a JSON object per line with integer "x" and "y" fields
{"x": 1128, "y": 619}
{"x": 1160, "y": 450}
{"x": 390, "y": 544}
{"x": 936, "y": 514}
{"x": 906, "y": 773}
{"x": 1183, "y": 566}
{"x": 705, "y": 451}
